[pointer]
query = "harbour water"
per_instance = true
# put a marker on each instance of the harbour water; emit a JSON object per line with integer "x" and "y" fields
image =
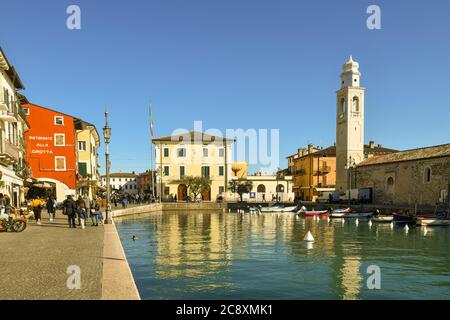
{"x": 247, "y": 256}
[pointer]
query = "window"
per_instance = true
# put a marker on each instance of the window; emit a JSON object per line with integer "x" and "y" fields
{"x": 280, "y": 188}
{"x": 166, "y": 152}
{"x": 221, "y": 171}
{"x": 181, "y": 152}
{"x": 59, "y": 121}
{"x": 82, "y": 169}
{"x": 221, "y": 152}
{"x": 427, "y": 175}
{"x": 59, "y": 139}
{"x": 166, "y": 170}
{"x": 390, "y": 184}
{"x": 26, "y": 111}
{"x": 355, "y": 104}
{"x": 182, "y": 172}
{"x": 60, "y": 163}
{"x": 166, "y": 191}
{"x": 261, "y": 188}
{"x": 205, "y": 171}
{"x": 342, "y": 106}
{"x": 221, "y": 189}
{"x": 205, "y": 152}
{"x": 81, "y": 145}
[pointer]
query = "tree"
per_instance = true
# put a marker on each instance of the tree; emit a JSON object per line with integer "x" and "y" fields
{"x": 197, "y": 185}
{"x": 240, "y": 187}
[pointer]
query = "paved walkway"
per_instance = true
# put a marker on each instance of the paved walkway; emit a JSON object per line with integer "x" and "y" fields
{"x": 33, "y": 264}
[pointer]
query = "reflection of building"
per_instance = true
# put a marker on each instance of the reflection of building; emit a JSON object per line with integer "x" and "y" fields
{"x": 192, "y": 154}
{"x": 13, "y": 125}
{"x": 124, "y": 182}
{"x": 50, "y": 148}
{"x": 419, "y": 176}
{"x": 88, "y": 141}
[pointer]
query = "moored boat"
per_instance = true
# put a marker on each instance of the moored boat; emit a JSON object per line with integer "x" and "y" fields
{"x": 339, "y": 213}
{"x": 433, "y": 221}
{"x": 383, "y": 219}
{"x": 314, "y": 213}
{"x": 402, "y": 218}
{"x": 278, "y": 208}
{"x": 358, "y": 215}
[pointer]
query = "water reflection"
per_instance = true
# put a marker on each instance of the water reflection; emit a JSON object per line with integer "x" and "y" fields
{"x": 220, "y": 255}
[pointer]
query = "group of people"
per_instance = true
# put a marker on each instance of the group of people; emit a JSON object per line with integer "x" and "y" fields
{"x": 82, "y": 208}
{"x": 126, "y": 199}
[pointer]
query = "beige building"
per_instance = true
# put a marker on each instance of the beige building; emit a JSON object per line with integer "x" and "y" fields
{"x": 192, "y": 154}
{"x": 419, "y": 176}
{"x": 13, "y": 125}
{"x": 88, "y": 142}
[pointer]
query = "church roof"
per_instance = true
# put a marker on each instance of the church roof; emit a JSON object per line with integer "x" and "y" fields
{"x": 410, "y": 155}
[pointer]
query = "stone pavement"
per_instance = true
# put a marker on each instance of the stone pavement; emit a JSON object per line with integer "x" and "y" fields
{"x": 33, "y": 264}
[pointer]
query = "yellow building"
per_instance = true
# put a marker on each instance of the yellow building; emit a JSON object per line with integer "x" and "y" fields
{"x": 88, "y": 142}
{"x": 314, "y": 169}
{"x": 192, "y": 154}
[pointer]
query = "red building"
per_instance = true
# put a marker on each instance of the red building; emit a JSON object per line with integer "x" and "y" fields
{"x": 51, "y": 148}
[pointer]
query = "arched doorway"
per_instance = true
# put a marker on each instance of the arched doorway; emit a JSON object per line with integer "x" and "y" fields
{"x": 206, "y": 196}
{"x": 182, "y": 192}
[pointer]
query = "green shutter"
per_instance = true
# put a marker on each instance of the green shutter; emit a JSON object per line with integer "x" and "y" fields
{"x": 82, "y": 169}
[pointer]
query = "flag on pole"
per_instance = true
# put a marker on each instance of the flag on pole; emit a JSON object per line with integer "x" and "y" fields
{"x": 151, "y": 121}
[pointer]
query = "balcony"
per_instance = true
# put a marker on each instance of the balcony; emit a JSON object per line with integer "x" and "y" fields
{"x": 9, "y": 153}
{"x": 323, "y": 171}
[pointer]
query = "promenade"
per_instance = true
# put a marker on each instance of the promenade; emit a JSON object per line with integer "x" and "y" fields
{"x": 34, "y": 263}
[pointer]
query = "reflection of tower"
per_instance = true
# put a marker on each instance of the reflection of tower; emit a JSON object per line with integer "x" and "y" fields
{"x": 349, "y": 123}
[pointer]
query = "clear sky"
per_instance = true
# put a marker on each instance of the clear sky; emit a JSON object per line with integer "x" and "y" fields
{"x": 234, "y": 64}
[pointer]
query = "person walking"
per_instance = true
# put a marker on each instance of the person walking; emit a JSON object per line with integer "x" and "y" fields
{"x": 95, "y": 209}
{"x": 69, "y": 209}
{"x": 51, "y": 208}
{"x": 37, "y": 205}
{"x": 81, "y": 211}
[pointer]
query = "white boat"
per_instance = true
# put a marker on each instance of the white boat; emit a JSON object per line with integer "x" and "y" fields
{"x": 339, "y": 213}
{"x": 433, "y": 221}
{"x": 358, "y": 215}
{"x": 278, "y": 209}
{"x": 383, "y": 219}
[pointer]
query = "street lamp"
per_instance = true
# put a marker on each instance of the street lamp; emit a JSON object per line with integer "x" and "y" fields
{"x": 107, "y": 137}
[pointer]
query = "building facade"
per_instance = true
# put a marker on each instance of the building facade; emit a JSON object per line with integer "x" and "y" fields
{"x": 192, "y": 154}
{"x": 123, "y": 182}
{"x": 88, "y": 142}
{"x": 13, "y": 124}
{"x": 349, "y": 123}
{"x": 419, "y": 176}
{"x": 50, "y": 148}
{"x": 146, "y": 181}
{"x": 314, "y": 169}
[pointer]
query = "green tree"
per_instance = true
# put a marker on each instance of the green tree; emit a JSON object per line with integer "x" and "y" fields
{"x": 197, "y": 185}
{"x": 240, "y": 187}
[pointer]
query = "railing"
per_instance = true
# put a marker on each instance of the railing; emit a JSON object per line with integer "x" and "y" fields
{"x": 323, "y": 171}
{"x": 9, "y": 151}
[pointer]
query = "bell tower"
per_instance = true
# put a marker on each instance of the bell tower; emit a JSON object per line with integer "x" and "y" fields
{"x": 349, "y": 124}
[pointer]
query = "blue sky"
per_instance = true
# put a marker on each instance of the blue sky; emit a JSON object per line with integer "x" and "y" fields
{"x": 235, "y": 64}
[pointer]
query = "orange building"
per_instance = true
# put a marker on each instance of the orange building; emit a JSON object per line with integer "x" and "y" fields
{"x": 50, "y": 148}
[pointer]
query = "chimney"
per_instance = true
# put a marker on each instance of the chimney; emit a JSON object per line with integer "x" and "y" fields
{"x": 310, "y": 148}
{"x": 371, "y": 144}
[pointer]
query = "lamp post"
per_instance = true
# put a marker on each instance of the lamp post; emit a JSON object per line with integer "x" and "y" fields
{"x": 107, "y": 137}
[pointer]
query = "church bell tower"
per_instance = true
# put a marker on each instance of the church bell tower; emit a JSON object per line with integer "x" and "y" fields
{"x": 349, "y": 124}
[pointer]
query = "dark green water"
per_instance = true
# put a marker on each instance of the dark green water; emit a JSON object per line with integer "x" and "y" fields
{"x": 243, "y": 256}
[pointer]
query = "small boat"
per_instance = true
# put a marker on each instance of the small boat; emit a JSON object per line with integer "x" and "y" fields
{"x": 402, "y": 218}
{"x": 315, "y": 213}
{"x": 278, "y": 208}
{"x": 383, "y": 219}
{"x": 433, "y": 221}
{"x": 339, "y": 213}
{"x": 358, "y": 215}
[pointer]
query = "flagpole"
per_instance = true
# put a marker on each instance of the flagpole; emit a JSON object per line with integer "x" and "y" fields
{"x": 151, "y": 153}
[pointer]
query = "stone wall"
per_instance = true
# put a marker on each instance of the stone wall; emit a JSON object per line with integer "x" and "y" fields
{"x": 170, "y": 206}
{"x": 405, "y": 183}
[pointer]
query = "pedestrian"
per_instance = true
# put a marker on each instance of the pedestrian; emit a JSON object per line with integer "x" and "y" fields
{"x": 50, "y": 208}
{"x": 37, "y": 205}
{"x": 87, "y": 203}
{"x": 69, "y": 209}
{"x": 95, "y": 209}
{"x": 81, "y": 211}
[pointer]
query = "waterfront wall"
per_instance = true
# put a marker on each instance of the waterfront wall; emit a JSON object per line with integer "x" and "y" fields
{"x": 170, "y": 206}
